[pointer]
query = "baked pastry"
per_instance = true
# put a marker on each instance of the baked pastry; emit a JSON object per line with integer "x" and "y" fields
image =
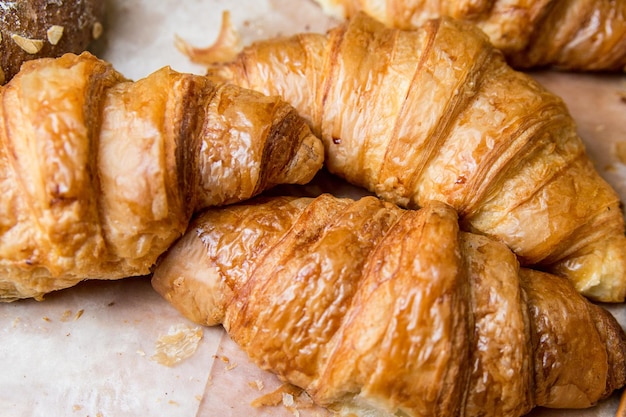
{"x": 376, "y": 310}
{"x": 435, "y": 113}
{"x": 572, "y": 35}
{"x": 99, "y": 174}
{"x": 31, "y": 29}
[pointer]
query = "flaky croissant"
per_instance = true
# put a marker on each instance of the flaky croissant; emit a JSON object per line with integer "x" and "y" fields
{"x": 587, "y": 35}
{"x": 99, "y": 175}
{"x": 370, "y": 307}
{"x": 436, "y": 114}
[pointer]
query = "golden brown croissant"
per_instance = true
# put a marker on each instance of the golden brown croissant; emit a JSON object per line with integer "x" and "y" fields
{"x": 371, "y": 307}
{"x": 99, "y": 175}
{"x": 588, "y": 35}
{"x": 436, "y": 114}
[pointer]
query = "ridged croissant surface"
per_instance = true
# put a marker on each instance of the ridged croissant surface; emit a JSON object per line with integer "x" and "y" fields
{"x": 99, "y": 175}
{"x": 370, "y": 307}
{"x": 583, "y": 35}
{"x": 436, "y": 114}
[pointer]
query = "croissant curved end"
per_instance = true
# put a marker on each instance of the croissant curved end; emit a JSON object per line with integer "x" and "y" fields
{"x": 310, "y": 154}
{"x": 598, "y": 275}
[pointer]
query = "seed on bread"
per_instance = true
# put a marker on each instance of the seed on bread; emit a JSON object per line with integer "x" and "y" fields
{"x": 30, "y": 46}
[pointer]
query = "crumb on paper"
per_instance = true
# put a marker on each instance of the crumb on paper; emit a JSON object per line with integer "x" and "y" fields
{"x": 289, "y": 396}
{"x": 222, "y": 358}
{"x": 275, "y": 397}
{"x": 79, "y": 314}
{"x": 66, "y": 315}
{"x": 178, "y": 344}
{"x": 77, "y": 407}
{"x": 229, "y": 365}
{"x": 224, "y": 49}
{"x": 141, "y": 352}
{"x": 46, "y": 318}
{"x": 256, "y": 384}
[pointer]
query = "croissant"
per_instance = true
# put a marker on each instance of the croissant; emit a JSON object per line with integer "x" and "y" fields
{"x": 435, "y": 113}
{"x": 373, "y": 308}
{"x": 99, "y": 175}
{"x": 572, "y": 35}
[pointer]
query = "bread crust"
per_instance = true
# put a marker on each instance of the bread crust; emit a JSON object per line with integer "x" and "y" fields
{"x": 31, "y": 29}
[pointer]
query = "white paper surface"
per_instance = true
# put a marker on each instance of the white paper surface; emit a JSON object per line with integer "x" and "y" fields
{"x": 87, "y": 351}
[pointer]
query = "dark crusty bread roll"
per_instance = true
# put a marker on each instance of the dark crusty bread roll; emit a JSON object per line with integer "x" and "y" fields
{"x": 32, "y": 29}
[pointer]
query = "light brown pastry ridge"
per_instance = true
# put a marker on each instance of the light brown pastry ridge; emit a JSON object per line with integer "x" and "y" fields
{"x": 99, "y": 174}
{"x": 435, "y": 113}
{"x": 369, "y": 307}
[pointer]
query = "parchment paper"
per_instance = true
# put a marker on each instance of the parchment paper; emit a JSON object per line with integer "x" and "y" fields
{"x": 92, "y": 350}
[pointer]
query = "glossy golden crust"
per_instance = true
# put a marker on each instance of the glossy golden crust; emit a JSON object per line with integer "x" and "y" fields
{"x": 99, "y": 175}
{"x": 369, "y": 307}
{"x": 580, "y": 35}
{"x": 436, "y": 114}
{"x": 501, "y": 378}
{"x": 558, "y": 384}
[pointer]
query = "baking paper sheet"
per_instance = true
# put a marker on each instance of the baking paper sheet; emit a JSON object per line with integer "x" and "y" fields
{"x": 92, "y": 350}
